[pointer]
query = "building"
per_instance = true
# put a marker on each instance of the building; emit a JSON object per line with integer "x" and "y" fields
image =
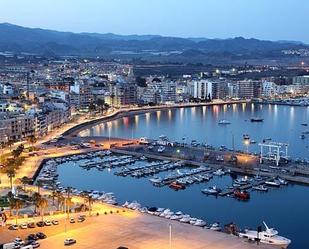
{"x": 202, "y": 89}
{"x": 248, "y": 89}
{"x": 301, "y": 80}
{"x": 122, "y": 94}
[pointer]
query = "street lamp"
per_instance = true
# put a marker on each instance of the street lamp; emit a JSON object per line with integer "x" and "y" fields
{"x": 247, "y": 143}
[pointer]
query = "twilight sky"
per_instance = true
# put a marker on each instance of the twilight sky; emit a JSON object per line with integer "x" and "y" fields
{"x": 263, "y": 19}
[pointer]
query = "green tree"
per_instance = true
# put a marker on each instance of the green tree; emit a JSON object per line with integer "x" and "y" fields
{"x": 36, "y": 198}
{"x": 10, "y": 171}
{"x": 17, "y": 204}
{"x": 31, "y": 140}
{"x": 42, "y": 204}
{"x": 25, "y": 181}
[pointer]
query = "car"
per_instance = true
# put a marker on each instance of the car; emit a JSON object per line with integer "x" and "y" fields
{"x": 31, "y": 225}
{"x": 122, "y": 247}
{"x": 41, "y": 235}
{"x": 13, "y": 227}
{"x": 40, "y": 224}
{"x": 72, "y": 220}
{"x": 80, "y": 219}
{"x": 34, "y": 244}
{"x": 23, "y": 226}
{"x": 69, "y": 241}
{"x": 19, "y": 241}
{"x": 32, "y": 237}
{"x": 47, "y": 223}
{"x": 55, "y": 222}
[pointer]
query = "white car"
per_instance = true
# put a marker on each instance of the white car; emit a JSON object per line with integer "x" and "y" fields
{"x": 19, "y": 241}
{"x": 55, "y": 222}
{"x": 69, "y": 241}
{"x": 47, "y": 223}
{"x": 23, "y": 226}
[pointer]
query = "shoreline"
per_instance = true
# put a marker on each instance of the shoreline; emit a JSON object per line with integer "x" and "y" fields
{"x": 140, "y": 110}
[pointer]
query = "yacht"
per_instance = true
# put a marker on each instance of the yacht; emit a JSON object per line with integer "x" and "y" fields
{"x": 269, "y": 236}
{"x": 260, "y": 188}
{"x": 200, "y": 223}
{"x": 211, "y": 191}
{"x": 156, "y": 180}
{"x": 161, "y": 149}
{"x": 256, "y": 119}
{"x": 219, "y": 172}
{"x": 282, "y": 181}
{"x": 215, "y": 227}
{"x": 224, "y": 122}
{"x": 274, "y": 183}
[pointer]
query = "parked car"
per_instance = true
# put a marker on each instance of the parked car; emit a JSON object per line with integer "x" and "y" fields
{"x": 23, "y": 226}
{"x": 47, "y": 223}
{"x": 40, "y": 224}
{"x": 72, "y": 220}
{"x": 69, "y": 241}
{"x": 81, "y": 219}
{"x": 13, "y": 227}
{"x": 32, "y": 237}
{"x": 55, "y": 222}
{"x": 41, "y": 235}
{"x": 31, "y": 225}
{"x": 19, "y": 241}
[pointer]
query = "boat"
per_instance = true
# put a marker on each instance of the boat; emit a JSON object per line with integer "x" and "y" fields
{"x": 256, "y": 119}
{"x": 161, "y": 149}
{"x": 305, "y": 132}
{"x": 282, "y": 181}
{"x": 246, "y": 136}
{"x": 219, "y": 172}
{"x": 304, "y": 124}
{"x": 224, "y": 122}
{"x": 260, "y": 188}
{"x": 215, "y": 227}
{"x": 177, "y": 185}
{"x": 269, "y": 236}
{"x": 274, "y": 183}
{"x": 200, "y": 223}
{"x": 211, "y": 191}
{"x": 252, "y": 141}
{"x": 241, "y": 195}
{"x": 302, "y": 136}
{"x": 155, "y": 180}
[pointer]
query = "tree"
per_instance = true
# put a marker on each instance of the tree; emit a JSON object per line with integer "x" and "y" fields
{"x": 69, "y": 204}
{"x": 31, "y": 140}
{"x": 17, "y": 204}
{"x": 25, "y": 181}
{"x": 101, "y": 104}
{"x": 10, "y": 171}
{"x": 42, "y": 204}
{"x": 10, "y": 143}
{"x": 36, "y": 198}
{"x": 39, "y": 185}
{"x": 89, "y": 201}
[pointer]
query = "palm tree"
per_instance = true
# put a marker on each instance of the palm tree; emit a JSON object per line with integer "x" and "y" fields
{"x": 17, "y": 205}
{"x": 10, "y": 171}
{"x": 69, "y": 204}
{"x": 89, "y": 201}
{"x": 68, "y": 190}
{"x": 42, "y": 204}
{"x": 39, "y": 185}
{"x": 54, "y": 194}
{"x": 60, "y": 200}
{"x": 31, "y": 140}
{"x": 36, "y": 198}
{"x": 25, "y": 180}
{"x": 10, "y": 143}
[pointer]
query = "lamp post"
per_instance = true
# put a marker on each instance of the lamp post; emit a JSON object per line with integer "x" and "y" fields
{"x": 170, "y": 236}
{"x": 247, "y": 142}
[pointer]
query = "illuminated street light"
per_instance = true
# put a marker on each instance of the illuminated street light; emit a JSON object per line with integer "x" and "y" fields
{"x": 247, "y": 143}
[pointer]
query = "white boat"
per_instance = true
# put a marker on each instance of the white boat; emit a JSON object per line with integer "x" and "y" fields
{"x": 215, "y": 227}
{"x": 282, "y": 181}
{"x": 224, "y": 122}
{"x": 274, "y": 183}
{"x": 185, "y": 219}
{"x": 269, "y": 236}
{"x": 200, "y": 223}
{"x": 260, "y": 188}
{"x": 219, "y": 172}
{"x": 211, "y": 190}
{"x": 156, "y": 180}
{"x": 161, "y": 149}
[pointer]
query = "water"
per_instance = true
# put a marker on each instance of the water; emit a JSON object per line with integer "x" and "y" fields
{"x": 281, "y": 123}
{"x": 285, "y": 208}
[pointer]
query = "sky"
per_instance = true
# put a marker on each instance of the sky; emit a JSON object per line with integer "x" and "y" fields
{"x": 262, "y": 19}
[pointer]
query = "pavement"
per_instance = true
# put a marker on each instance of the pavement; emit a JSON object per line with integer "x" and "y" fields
{"x": 132, "y": 230}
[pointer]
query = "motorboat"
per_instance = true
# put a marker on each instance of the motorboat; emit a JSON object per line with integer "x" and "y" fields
{"x": 282, "y": 181}
{"x": 302, "y": 136}
{"x": 274, "y": 183}
{"x": 156, "y": 180}
{"x": 219, "y": 172}
{"x": 215, "y": 227}
{"x": 177, "y": 185}
{"x": 200, "y": 223}
{"x": 256, "y": 119}
{"x": 224, "y": 122}
{"x": 260, "y": 188}
{"x": 211, "y": 191}
{"x": 269, "y": 236}
{"x": 241, "y": 195}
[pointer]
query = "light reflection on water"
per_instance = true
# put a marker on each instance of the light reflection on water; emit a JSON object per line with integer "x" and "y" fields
{"x": 281, "y": 123}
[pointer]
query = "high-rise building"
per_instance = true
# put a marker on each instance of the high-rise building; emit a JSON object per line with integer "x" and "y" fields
{"x": 248, "y": 89}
